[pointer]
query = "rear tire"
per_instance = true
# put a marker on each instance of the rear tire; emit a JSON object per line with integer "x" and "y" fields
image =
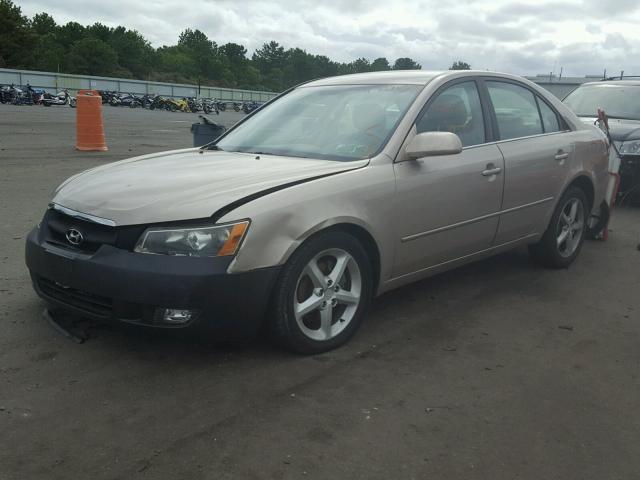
{"x": 322, "y": 293}
{"x": 562, "y": 242}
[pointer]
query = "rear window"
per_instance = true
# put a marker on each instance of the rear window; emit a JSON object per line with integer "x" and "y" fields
{"x": 549, "y": 117}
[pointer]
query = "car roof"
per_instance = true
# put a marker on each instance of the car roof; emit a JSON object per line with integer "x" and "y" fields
{"x": 631, "y": 83}
{"x": 406, "y": 77}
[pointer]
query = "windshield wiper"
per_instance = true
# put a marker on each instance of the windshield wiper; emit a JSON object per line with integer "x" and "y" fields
{"x": 255, "y": 153}
{"x": 622, "y": 118}
{"x": 615, "y": 117}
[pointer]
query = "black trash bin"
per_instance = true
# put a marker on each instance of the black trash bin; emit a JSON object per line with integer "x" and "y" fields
{"x": 206, "y": 132}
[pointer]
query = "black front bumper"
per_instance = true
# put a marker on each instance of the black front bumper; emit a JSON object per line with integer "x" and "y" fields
{"x": 629, "y": 188}
{"x": 115, "y": 284}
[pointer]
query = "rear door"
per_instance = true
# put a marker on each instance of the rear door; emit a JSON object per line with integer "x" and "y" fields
{"x": 447, "y": 206}
{"x": 537, "y": 152}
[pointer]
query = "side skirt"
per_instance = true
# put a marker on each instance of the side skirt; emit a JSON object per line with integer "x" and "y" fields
{"x": 456, "y": 262}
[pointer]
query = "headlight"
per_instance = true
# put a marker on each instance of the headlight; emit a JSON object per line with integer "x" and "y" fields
{"x": 630, "y": 148}
{"x": 216, "y": 241}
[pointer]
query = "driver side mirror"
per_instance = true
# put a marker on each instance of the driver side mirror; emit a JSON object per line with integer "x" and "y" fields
{"x": 431, "y": 144}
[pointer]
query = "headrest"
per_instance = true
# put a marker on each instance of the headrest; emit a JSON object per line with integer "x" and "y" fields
{"x": 447, "y": 112}
{"x": 366, "y": 116}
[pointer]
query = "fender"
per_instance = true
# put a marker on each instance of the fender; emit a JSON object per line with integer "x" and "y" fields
{"x": 283, "y": 220}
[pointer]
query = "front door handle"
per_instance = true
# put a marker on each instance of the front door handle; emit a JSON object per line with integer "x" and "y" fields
{"x": 491, "y": 170}
{"x": 561, "y": 156}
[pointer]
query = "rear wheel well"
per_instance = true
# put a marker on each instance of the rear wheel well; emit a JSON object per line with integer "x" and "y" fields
{"x": 585, "y": 184}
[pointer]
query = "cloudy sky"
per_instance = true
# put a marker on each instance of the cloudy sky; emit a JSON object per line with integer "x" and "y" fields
{"x": 522, "y": 37}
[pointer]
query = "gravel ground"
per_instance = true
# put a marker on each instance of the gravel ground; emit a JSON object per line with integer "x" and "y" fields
{"x": 498, "y": 370}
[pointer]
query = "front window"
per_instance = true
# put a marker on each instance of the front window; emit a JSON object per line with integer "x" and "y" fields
{"x": 340, "y": 122}
{"x": 618, "y": 101}
{"x": 516, "y": 110}
{"x": 456, "y": 110}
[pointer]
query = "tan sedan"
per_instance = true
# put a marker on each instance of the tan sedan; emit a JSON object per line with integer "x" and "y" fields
{"x": 334, "y": 192}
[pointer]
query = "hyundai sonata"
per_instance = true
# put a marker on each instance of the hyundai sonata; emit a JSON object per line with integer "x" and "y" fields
{"x": 334, "y": 192}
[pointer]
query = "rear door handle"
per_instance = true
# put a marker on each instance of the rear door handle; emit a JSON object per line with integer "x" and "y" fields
{"x": 562, "y": 156}
{"x": 491, "y": 171}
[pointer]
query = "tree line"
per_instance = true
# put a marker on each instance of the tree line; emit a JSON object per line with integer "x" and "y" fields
{"x": 39, "y": 43}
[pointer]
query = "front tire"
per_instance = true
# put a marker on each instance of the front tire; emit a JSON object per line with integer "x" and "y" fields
{"x": 562, "y": 242}
{"x": 322, "y": 293}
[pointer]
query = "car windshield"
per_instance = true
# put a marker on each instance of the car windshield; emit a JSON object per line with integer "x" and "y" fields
{"x": 618, "y": 101}
{"x": 340, "y": 122}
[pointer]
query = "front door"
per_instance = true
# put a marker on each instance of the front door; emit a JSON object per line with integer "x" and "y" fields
{"x": 447, "y": 206}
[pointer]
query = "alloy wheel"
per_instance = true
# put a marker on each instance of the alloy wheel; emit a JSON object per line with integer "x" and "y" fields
{"x": 570, "y": 227}
{"x": 327, "y": 295}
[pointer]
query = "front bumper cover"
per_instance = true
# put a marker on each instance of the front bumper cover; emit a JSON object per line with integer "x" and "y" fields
{"x": 116, "y": 284}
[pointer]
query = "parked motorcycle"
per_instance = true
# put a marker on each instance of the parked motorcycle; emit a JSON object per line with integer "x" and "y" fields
{"x": 147, "y": 99}
{"x": 37, "y": 94}
{"x": 134, "y": 102}
{"x": 173, "y": 105}
{"x": 128, "y": 100}
{"x": 21, "y": 96}
{"x": 195, "y": 105}
{"x": 115, "y": 100}
{"x": 210, "y": 106}
{"x": 61, "y": 98}
{"x": 249, "y": 107}
{"x": 159, "y": 103}
{"x": 222, "y": 106}
{"x": 5, "y": 93}
{"x": 121, "y": 99}
{"x": 106, "y": 95}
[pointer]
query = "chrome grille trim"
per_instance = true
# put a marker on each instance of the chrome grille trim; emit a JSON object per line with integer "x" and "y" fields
{"x": 82, "y": 216}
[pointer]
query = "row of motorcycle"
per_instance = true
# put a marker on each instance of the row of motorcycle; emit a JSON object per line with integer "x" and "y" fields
{"x": 27, "y": 95}
{"x": 185, "y": 104}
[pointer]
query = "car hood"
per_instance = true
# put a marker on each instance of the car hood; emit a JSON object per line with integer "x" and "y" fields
{"x": 621, "y": 130}
{"x": 184, "y": 184}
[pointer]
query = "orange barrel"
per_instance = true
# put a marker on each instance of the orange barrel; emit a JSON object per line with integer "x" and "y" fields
{"x": 89, "y": 127}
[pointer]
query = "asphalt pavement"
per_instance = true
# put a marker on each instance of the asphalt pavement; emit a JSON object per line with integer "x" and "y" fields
{"x": 498, "y": 370}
